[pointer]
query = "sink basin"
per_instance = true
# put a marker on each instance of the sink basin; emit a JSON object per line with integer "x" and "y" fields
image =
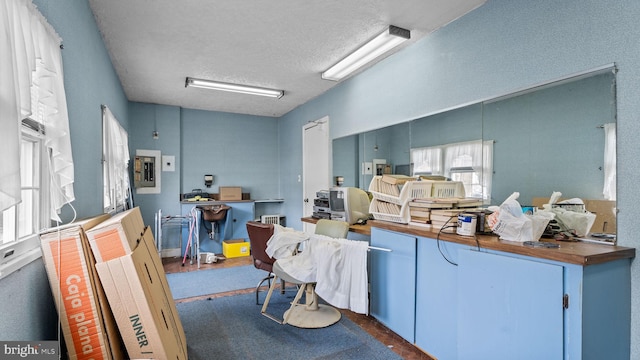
{"x": 214, "y": 212}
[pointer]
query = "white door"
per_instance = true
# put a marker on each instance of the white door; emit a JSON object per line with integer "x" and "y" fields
{"x": 315, "y": 164}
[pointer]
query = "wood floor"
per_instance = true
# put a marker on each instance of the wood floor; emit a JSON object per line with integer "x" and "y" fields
{"x": 372, "y": 326}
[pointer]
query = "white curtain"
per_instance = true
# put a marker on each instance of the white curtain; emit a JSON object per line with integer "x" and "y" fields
{"x": 609, "y": 190}
{"x": 487, "y": 164}
{"x": 473, "y": 156}
{"x": 427, "y": 160}
{"x": 115, "y": 145}
{"x": 459, "y": 155}
{"x": 32, "y": 79}
{"x": 478, "y": 155}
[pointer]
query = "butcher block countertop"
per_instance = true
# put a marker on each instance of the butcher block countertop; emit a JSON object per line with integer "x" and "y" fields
{"x": 580, "y": 253}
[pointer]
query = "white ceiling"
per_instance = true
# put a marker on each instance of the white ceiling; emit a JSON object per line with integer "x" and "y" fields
{"x": 285, "y": 44}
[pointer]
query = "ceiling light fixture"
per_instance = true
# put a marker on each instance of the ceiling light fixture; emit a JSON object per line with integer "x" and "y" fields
{"x": 387, "y": 40}
{"x": 243, "y": 89}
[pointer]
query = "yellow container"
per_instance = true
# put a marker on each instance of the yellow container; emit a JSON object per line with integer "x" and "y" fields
{"x": 235, "y": 248}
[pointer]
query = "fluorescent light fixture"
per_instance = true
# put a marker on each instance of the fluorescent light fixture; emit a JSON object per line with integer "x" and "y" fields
{"x": 390, "y": 38}
{"x": 243, "y": 89}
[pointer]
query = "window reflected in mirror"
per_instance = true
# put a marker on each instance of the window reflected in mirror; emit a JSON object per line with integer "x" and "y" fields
{"x": 558, "y": 136}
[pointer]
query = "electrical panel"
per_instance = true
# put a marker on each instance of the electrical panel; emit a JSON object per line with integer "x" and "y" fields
{"x": 144, "y": 169}
{"x": 147, "y": 170}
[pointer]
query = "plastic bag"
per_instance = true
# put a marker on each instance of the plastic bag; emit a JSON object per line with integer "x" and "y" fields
{"x": 579, "y": 222}
{"x": 510, "y": 223}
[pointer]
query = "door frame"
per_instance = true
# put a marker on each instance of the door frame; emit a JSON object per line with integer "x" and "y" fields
{"x": 311, "y": 124}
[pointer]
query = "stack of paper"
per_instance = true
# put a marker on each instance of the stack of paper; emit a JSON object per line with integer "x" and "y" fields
{"x": 445, "y": 220}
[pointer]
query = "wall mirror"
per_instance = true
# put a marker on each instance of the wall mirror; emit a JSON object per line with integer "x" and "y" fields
{"x": 546, "y": 138}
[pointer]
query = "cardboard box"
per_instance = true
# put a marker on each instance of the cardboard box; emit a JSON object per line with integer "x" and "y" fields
{"x": 117, "y": 236}
{"x": 235, "y": 248}
{"x": 88, "y": 325}
{"x": 230, "y": 193}
{"x": 605, "y": 211}
{"x": 143, "y": 306}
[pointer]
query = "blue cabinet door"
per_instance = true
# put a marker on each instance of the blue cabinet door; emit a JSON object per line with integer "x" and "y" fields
{"x": 242, "y": 212}
{"x": 437, "y": 298}
{"x": 509, "y": 308}
{"x": 392, "y": 279}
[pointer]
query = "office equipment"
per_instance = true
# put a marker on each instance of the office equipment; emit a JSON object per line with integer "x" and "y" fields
{"x": 321, "y": 209}
{"x": 348, "y": 204}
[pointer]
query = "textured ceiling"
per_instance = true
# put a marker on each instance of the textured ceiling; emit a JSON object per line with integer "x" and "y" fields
{"x": 155, "y": 44}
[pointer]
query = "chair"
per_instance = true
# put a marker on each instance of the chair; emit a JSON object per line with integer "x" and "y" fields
{"x": 311, "y": 314}
{"x": 259, "y": 234}
{"x": 332, "y": 228}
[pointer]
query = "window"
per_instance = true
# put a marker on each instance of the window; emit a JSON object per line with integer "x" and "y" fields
{"x": 115, "y": 168}
{"x": 37, "y": 166}
{"x": 609, "y": 190}
{"x": 469, "y": 162}
{"x": 20, "y": 224}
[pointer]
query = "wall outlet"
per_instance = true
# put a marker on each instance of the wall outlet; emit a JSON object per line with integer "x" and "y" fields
{"x": 367, "y": 168}
{"x": 168, "y": 163}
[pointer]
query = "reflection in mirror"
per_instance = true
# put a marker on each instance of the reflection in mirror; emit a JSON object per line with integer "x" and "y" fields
{"x": 450, "y": 144}
{"x": 359, "y": 157}
{"x": 552, "y": 139}
{"x": 346, "y": 152}
{"x": 545, "y": 139}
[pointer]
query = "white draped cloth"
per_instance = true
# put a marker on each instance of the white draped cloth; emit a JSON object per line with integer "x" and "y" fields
{"x": 337, "y": 266}
{"x": 32, "y": 85}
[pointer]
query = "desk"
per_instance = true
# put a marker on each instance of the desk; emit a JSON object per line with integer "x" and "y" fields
{"x": 358, "y": 229}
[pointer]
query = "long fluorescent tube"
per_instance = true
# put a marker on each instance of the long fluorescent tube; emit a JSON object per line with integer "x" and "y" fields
{"x": 387, "y": 40}
{"x": 243, "y": 89}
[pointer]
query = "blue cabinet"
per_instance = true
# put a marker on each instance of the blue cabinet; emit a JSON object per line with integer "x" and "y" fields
{"x": 392, "y": 277}
{"x": 457, "y": 301}
{"x": 241, "y": 213}
{"x": 509, "y": 308}
{"x": 437, "y": 297}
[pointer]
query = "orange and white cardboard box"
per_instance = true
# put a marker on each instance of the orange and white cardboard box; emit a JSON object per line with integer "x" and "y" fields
{"x": 138, "y": 292}
{"x": 117, "y": 236}
{"x": 88, "y": 326}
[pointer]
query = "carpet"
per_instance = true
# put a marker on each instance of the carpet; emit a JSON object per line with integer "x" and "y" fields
{"x": 204, "y": 282}
{"x": 232, "y": 328}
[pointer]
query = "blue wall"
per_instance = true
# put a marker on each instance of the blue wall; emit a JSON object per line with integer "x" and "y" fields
{"x": 500, "y": 47}
{"x": 239, "y": 150}
{"x": 90, "y": 81}
{"x": 550, "y": 140}
{"x": 146, "y": 118}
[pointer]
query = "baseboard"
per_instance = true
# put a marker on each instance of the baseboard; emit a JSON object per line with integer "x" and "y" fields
{"x": 165, "y": 253}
